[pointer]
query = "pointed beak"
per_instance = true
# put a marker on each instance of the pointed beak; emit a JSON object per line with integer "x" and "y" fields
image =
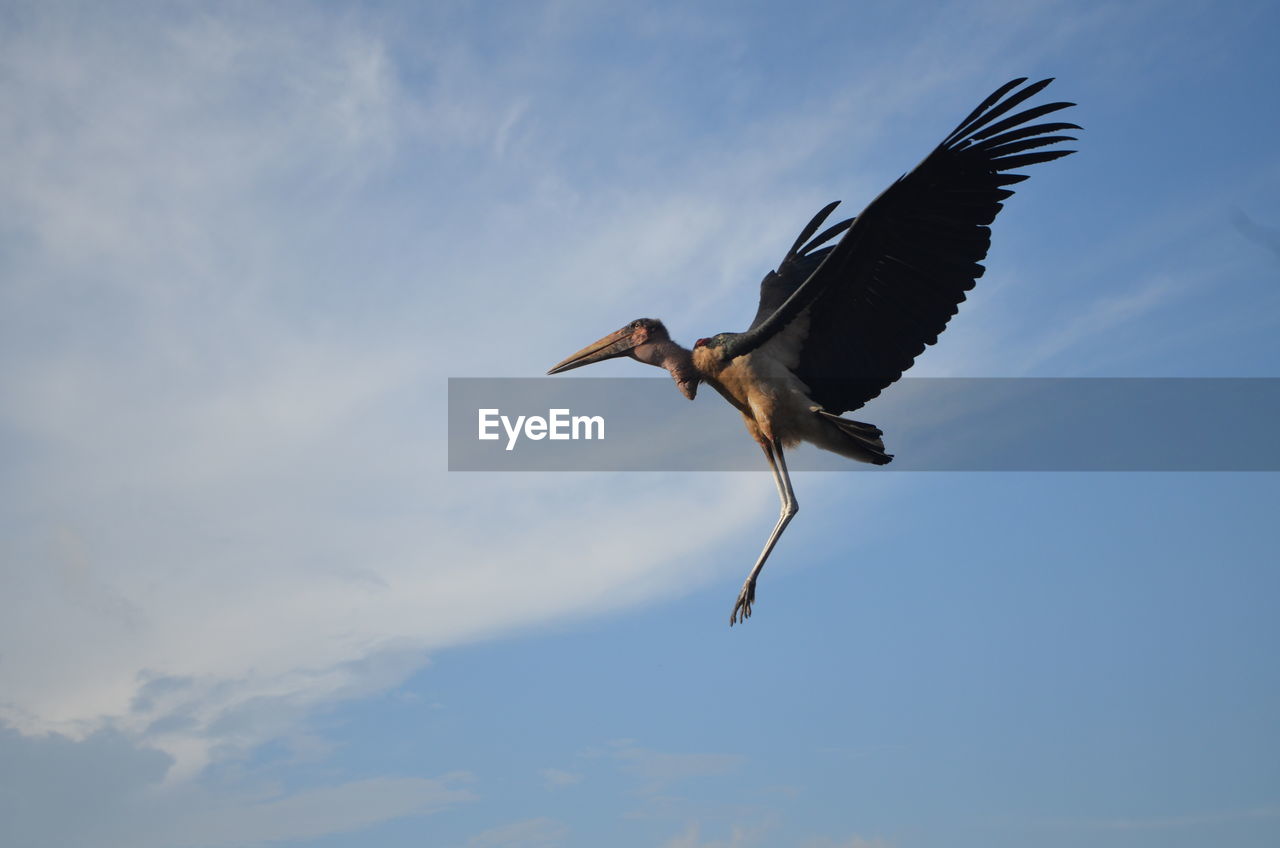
{"x": 613, "y": 345}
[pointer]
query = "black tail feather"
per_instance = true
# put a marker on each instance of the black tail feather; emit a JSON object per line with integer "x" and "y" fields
{"x": 867, "y": 437}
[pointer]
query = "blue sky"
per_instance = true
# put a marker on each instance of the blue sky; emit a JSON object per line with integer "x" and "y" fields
{"x": 242, "y": 602}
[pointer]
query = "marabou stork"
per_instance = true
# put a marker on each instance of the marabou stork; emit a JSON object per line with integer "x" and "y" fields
{"x": 838, "y": 324}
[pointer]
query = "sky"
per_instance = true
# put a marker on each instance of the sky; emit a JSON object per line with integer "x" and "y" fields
{"x": 244, "y": 246}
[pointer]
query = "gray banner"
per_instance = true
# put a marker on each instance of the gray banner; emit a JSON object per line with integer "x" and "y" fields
{"x": 942, "y": 424}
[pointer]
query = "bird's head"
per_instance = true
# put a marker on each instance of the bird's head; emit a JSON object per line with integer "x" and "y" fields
{"x": 639, "y": 340}
{"x": 645, "y": 340}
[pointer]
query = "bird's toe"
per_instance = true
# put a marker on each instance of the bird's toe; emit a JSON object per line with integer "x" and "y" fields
{"x": 742, "y": 607}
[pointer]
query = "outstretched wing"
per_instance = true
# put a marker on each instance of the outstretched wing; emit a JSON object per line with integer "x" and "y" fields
{"x": 888, "y": 288}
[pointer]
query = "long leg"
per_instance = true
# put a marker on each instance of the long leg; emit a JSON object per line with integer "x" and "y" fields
{"x": 781, "y": 479}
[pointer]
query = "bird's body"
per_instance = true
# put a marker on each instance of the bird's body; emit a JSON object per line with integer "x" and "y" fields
{"x": 775, "y": 403}
{"x": 839, "y": 323}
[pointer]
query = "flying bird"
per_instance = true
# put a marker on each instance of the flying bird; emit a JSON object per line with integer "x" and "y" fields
{"x": 839, "y": 323}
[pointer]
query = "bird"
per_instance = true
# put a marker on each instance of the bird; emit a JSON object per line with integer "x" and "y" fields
{"x": 838, "y": 323}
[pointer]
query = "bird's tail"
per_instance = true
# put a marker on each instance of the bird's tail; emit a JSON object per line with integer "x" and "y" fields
{"x": 855, "y": 439}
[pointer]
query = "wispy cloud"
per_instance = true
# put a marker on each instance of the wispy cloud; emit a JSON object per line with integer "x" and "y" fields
{"x": 533, "y": 833}
{"x": 1106, "y": 314}
{"x": 232, "y": 501}
{"x": 1177, "y": 822}
{"x": 657, "y": 770}
{"x": 850, "y": 842}
{"x": 312, "y": 813}
{"x": 555, "y": 778}
{"x": 116, "y": 788}
{"x": 1264, "y": 236}
{"x": 739, "y": 837}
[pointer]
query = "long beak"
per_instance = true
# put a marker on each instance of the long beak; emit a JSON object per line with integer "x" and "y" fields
{"x": 613, "y": 345}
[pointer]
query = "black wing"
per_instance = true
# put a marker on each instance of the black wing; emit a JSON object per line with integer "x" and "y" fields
{"x": 797, "y": 265}
{"x": 893, "y": 281}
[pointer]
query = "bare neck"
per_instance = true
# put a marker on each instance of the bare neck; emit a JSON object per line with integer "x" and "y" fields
{"x": 677, "y": 360}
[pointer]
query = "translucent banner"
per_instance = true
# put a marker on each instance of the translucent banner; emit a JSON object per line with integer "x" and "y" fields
{"x": 929, "y": 424}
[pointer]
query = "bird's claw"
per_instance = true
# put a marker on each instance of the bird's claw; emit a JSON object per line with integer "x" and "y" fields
{"x": 742, "y": 607}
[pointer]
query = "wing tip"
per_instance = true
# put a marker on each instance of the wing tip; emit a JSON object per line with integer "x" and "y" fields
{"x": 1000, "y": 101}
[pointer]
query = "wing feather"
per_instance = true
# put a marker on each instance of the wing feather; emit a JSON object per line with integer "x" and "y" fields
{"x": 902, "y": 267}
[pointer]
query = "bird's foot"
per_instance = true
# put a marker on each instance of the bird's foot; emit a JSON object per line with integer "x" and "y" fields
{"x": 742, "y": 608}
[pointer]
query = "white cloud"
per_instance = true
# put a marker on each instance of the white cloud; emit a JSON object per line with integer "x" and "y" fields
{"x": 850, "y": 842}
{"x": 660, "y": 779}
{"x": 656, "y": 769}
{"x": 739, "y": 837}
{"x": 312, "y": 813}
{"x": 1107, "y": 313}
{"x": 530, "y": 833}
{"x": 1192, "y": 820}
{"x": 555, "y": 778}
{"x": 231, "y": 501}
{"x": 116, "y": 791}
